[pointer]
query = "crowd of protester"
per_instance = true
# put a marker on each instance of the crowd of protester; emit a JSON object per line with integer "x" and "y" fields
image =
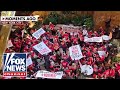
{"x": 59, "y": 59}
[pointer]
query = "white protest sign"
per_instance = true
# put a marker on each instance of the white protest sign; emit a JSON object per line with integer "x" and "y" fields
{"x": 97, "y": 39}
{"x": 93, "y": 39}
{"x": 50, "y": 75}
{"x": 86, "y": 69}
{"x": 86, "y": 39}
{"x": 70, "y": 28}
{"x": 29, "y": 61}
{"x": 42, "y": 48}
{"x": 75, "y": 52}
{"x": 38, "y": 33}
{"x": 9, "y": 44}
{"x": 101, "y": 53}
{"x": 105, "y": 37}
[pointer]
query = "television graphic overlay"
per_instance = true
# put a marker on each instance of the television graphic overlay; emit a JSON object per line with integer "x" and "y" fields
{"x": 14, "y": 64}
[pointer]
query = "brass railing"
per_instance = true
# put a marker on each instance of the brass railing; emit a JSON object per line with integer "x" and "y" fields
{"x": 4, "y": 34}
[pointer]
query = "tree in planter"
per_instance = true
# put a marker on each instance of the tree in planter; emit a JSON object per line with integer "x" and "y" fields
{"x": 52, "y": 17}
{"x": 89, "y": 22}
{"x": 76, "y": 21}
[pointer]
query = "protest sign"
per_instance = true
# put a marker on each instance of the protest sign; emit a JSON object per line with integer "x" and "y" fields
{"x": 86, "y": 39}
{"x": 97, "y": 39}
{"x": 70, "y": 28}
{"x": 86, "y": 69}
{"x": 42, "y": 48}
{"x": 93, "y": 39}
{"x": 75, "y": 52}
{"x": 50, "y": 75}
{"x": 105, "y": 37}
{"x": 101, "y": 53}
{"x": 23, "y": 33}
{"x": 38, "y": 33}
{"x": 9, "y": 44}
{"x": 28, "y": 61}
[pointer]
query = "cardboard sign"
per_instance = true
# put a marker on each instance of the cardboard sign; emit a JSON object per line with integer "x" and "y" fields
{"x": 38, "y": 33}
{"x": 75, "y": 52}
{"x": 9, "y": 44}
{"x": 50, "y": 75}
{"x": 42, "y": 48}
{"x": 28, "y": 61}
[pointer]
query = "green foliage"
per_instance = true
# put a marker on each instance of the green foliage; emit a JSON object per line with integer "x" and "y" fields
{"x": 116, "y": 59}
{"x": 68, "y": 18}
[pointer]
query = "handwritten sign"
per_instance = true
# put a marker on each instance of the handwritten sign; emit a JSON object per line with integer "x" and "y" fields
{"x": 42, "y": 48}
{"x": 38, "y": 33}
{"x": 75, "y": 52}
{"x": 50, "y": 75}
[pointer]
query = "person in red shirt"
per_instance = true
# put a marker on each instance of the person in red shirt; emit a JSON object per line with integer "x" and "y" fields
{"x": 51, "y": 26}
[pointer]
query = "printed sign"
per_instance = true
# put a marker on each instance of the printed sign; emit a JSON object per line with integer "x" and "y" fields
{"x": 70, "y": 28}
{"x": 75, "y": 52}
{"x": 42, "y": 48}
{"x": 14, "y": 65}
{"x": 105, "y": 37}
{"x": 38, "y": 33}
{"x": 28, "y": 61}
{"x": 93, "y": 39}
{"x": 97, "y": 39}
{"x": 86, "y": 39}
{"x": 9, "y": 44}
{"x": 50, "y": 75}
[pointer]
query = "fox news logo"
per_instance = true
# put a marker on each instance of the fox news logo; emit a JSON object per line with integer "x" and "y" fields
{"x": 14, "y": 64}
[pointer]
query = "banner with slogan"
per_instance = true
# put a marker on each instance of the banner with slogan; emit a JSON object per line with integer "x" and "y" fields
{"x": 105, "y": 37}
{"x": 75, "y": 52}
{"x": 93, "y": 39}
{"x": 42, "y": 48}
{"x": 50, "y": 75}
{"x": 9, "y": 44}
{"x": 70, "y": 28}
{"x": 38, "y": 33}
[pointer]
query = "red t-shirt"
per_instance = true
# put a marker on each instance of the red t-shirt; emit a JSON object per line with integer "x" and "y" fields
{"x": 112, "y": 72}
{"x": 64, "y": 64}
{"x": 51, "y": 26}
{"x": 107, "y": 73}
{"x": 56, "y": 46}
{"x": 65, "y": 35}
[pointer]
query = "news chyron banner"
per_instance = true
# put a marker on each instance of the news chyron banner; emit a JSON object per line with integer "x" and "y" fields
{"x": 10, "y": 18}
{"x": 14, "y": 64}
